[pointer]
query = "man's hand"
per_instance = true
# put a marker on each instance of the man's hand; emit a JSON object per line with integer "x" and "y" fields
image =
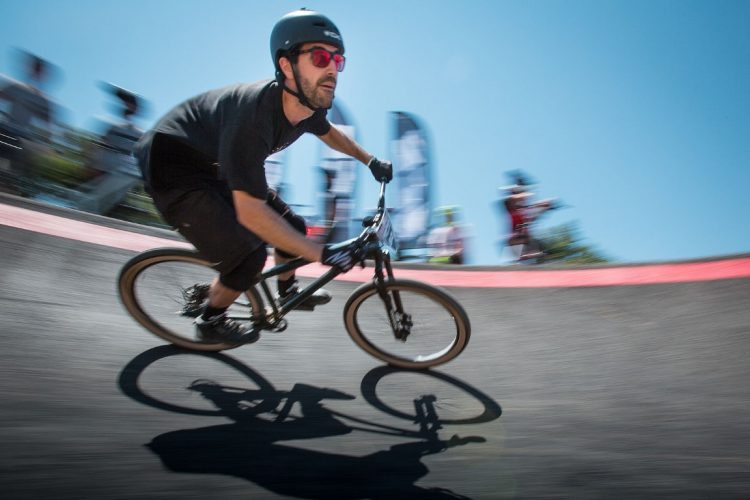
{"x": 381, "y": 170}
{"x": 342, "y": 255}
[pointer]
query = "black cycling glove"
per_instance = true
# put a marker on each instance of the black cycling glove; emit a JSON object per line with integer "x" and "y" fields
{"x": 342, "y": 255}
{"x": 382, "y": 170}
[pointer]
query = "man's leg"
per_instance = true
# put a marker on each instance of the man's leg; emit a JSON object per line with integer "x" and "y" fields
{"x": 230, "y": 284}
{"x": 287, "y": 282}
{"x": 516, "y": 244}
{"x": 220, "y": 296}
{"x": 531, "y": 249}
{"x": 201, "y": 209}
{"x": 213, "y": 324}
{"x": 207, "y": 219}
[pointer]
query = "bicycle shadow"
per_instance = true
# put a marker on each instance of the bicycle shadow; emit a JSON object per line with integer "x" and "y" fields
{"x": 250, "y": 448}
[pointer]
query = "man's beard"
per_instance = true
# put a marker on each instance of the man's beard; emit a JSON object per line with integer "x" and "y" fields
{"x": 315, "y": 94}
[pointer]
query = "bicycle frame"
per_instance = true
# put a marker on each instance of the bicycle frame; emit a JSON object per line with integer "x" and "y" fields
{"x": 372, "y": 247}
{"x": 279, "y": 312}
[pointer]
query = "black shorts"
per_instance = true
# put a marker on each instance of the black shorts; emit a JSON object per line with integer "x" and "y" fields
{"x": 201, "y": 209}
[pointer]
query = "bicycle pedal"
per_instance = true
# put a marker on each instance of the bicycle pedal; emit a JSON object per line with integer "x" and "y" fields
{"x": 280, "y": 326}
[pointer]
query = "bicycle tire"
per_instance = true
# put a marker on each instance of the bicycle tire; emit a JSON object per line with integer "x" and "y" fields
{"x": 169, "y": 271}
{"x": 437, "y": 318}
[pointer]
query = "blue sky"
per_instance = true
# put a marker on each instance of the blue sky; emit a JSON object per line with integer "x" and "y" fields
{"x": 635, "y": 113}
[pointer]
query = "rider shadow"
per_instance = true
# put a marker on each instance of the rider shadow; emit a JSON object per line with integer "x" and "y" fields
{"x": 249, "y": 447}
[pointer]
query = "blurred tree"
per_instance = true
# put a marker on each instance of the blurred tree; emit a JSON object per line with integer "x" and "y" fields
{"x": 563, "y": 244}
{"x": 67, "y": 163}
{"x": 138, "y": 207}
{"x": 65, "y": 171}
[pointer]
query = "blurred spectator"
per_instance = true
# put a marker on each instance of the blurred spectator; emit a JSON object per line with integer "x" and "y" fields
{"x": 27, "y": 109}
{"x": 446, "y": 241}
{"x": 27, "y": 120}
{"x": 521, "y": 215}
{"x": 114, "y": 157}
{"x": 120, "y": 137}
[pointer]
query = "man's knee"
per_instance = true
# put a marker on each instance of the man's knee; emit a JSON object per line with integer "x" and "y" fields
{"x": 244, "y": 275}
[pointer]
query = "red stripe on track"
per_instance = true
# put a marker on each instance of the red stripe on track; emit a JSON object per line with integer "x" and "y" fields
{"x": 611, "y": 276}
{"x": 86, "y": 232}
{"x": 538, "y": 278}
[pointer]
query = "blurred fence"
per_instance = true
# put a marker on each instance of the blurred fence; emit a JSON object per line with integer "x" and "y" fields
{"x": 75, "y": 169}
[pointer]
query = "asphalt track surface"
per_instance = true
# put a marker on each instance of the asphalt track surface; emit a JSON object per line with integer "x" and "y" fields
{"x": 637, "y": 391}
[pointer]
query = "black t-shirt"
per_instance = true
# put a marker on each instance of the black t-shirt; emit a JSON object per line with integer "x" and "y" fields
{"x": 236, "y": 128}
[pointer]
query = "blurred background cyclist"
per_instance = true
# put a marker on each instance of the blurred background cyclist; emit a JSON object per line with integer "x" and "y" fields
{"x": 446, "y": 241}
{"x": 521, "y": 213}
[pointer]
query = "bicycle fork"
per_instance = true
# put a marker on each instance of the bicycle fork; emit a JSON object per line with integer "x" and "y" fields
{"x": 400, "y": 321}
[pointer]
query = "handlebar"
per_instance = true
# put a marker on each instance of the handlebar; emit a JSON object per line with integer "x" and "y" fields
{"x": 378, "y": 230}
{"x": 370, "y": 220}
{"x": 381, "y": 199}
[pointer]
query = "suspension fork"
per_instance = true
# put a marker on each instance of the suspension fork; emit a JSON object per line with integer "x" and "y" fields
{"x": 396, "y": 294}
{"x": 393, "y": 305}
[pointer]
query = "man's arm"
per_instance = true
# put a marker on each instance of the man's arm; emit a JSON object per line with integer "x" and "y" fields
{"x": 258, "y": 217}
{"x": 336, "y": 139}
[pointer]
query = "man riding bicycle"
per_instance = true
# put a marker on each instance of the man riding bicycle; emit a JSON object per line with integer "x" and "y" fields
{"x": 522, "y": 216}
{"x": 203, "y": 164}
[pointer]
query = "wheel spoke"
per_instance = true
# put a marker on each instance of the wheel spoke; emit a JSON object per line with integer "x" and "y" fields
{"x": 155, "y": 287}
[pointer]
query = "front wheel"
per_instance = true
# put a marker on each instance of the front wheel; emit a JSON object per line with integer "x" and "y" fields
{"x": 432, "y": 328}
{"x": 155, "y": 287}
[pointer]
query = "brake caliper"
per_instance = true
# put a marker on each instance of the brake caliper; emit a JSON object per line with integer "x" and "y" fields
{"x": 403, "y": 324}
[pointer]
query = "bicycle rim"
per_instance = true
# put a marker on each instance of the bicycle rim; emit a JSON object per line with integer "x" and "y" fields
{"x": 440, "y": 329}
{"x": 152, "y": 287}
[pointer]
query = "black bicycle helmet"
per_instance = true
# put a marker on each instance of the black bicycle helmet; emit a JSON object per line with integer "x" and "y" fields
{"x": 294, "y": 29}
{"x": 302, "y": 26}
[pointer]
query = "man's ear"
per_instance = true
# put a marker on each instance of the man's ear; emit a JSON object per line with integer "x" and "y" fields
{"x": 286, "y": 68}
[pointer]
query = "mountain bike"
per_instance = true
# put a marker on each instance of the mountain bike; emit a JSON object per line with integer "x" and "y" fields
{"x": 405, "y": 323}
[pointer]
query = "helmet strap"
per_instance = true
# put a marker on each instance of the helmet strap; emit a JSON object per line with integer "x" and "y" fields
{"x": 300, "y": 94}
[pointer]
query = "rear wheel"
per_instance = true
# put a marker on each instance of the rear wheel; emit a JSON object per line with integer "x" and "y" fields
{"x": 154, "y": 287}
{"x": 433, "y": 329}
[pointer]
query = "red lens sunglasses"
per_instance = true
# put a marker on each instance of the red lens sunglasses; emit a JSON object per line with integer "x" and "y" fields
{"x": 321, "y": 58}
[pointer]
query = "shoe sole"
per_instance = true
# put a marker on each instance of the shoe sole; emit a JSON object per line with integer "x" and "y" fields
{"x": 234, "y": 342}
{"x": 248, "y": 338}
{"x": 307, "y": 306}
